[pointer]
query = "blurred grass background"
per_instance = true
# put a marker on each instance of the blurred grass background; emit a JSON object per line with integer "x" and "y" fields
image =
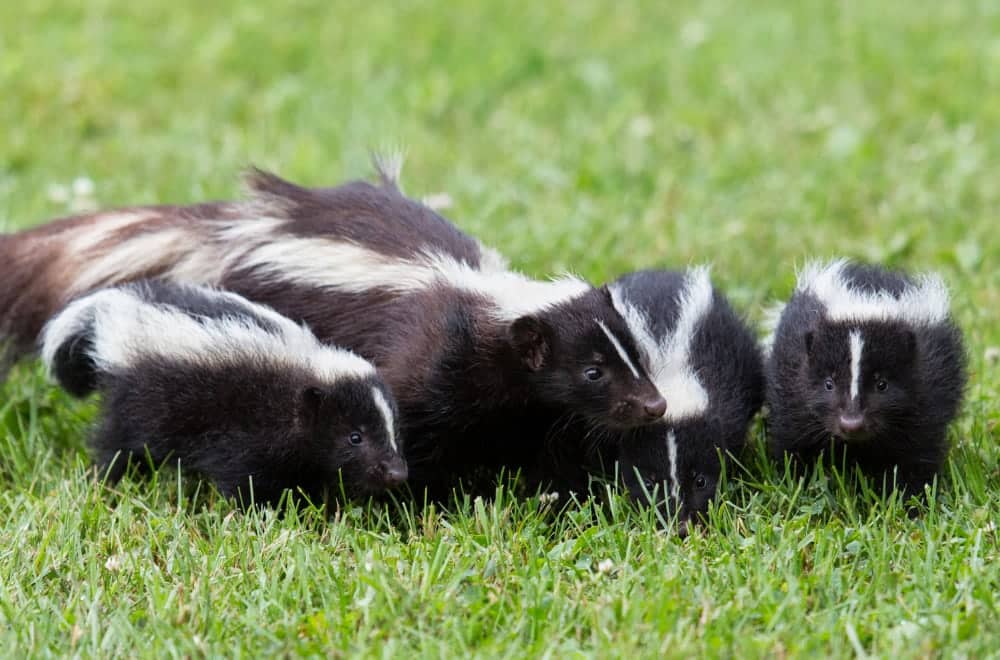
{"x": 592, "y": 136}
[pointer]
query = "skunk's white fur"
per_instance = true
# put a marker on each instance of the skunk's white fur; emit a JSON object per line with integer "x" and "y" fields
{"x": 386, "y": 411}
{"x": 857, "y": 345}
{"x": 668, "y": 359}
{"x": 618, "y": 348}
{"x": 924, "y": 302}
{"x": 356, "y": 269}
{"x": 127, "y": 329}
{"x": 675, "y": 484}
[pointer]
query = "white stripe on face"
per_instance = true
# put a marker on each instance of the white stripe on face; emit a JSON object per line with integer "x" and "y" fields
{"x": 383, "y": 407}
{"x": 675, "y": 485}
{"x": 856, "y": 345}
{"x": 618, "y": 347}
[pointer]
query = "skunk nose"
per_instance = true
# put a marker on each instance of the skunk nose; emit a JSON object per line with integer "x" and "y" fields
{"x": 395, "y": 475}
{"x": 851, "y": 422}
{"x": 683, "y": 528}
{"x": 655, "y": 407}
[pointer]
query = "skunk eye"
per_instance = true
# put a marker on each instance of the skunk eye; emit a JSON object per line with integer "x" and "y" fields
{"x": 700, "y": 481}
{"x": 355, "y": 438}
{"x": 881, "y": 385}
{"x": 593, "y": 373}
{"x": 828, "y": 384}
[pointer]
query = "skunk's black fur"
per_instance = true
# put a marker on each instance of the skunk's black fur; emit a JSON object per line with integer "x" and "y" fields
{"x": 909, "y": 367}
{"x": 255, "y": 419}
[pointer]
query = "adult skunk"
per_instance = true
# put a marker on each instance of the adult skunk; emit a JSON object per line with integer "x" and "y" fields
{"x": 699, "y": 350}
{"x": 477, "y": 355}
{"x": 229, "y": 389}
{"x": 359, "y": 241}
{"x": 867, "y": 364}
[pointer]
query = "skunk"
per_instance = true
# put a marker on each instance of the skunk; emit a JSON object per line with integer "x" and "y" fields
{"x": 478, "y": 356}
{"x": 230, "y": 389}
{"x": 867, "y": 363}
{"x": 367, "y": 241}
{"x": 706, "y": 357}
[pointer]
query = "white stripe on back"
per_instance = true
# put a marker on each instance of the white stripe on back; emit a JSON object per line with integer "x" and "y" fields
{"x": 355, "y": 269}
{"x": 618, "y": 347}
{"x": 925, "y": 300}
{"x": 128, "y": 328}
{"x": 857, "y": 343}
{"x": 669, "y": 359}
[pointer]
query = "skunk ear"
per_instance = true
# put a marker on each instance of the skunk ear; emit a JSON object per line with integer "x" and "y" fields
{"x": 312, "y": 397}
{"x": 532, "y": 338}
{"x": 808, "y": 337}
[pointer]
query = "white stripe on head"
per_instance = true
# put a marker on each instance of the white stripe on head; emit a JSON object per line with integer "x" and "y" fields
{"x": 857, "y": 343}
{"x": 675, "y": 484}
{"x": 383, "y": 407}
{"x": 637, "y": 322}
{"x": 924, "y": 300}
{"x": 618, "y": 347}
{"x": 669, "y": 359}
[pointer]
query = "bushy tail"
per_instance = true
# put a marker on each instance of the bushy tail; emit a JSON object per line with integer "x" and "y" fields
{"x": 67, "y": 348}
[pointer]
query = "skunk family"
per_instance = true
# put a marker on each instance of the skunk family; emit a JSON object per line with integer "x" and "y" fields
{"x": 868, "y": 364}
{"x": 700, "y": 352}
{"x": 230, "y": 389}
{"x": 478, "y": 356}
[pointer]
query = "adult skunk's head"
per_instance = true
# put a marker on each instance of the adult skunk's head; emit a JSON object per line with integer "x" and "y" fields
{"x": 583, "y": 358}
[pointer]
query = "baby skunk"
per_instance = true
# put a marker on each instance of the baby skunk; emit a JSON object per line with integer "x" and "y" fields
{"x": 867, "y": 361}
{"x": 230, "y": 389}
{"x": 705, "y": 356}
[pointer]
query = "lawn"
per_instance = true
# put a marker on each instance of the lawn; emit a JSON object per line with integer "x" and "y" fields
{"x": 596, "y": 137}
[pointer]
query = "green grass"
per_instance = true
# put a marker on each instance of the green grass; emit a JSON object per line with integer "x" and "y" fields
{"x": 596, "y": 137}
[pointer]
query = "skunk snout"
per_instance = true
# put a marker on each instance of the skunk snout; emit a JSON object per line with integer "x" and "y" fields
{"x": 655, "y": 407}
{"x": 394, "y": 473}
{"x": 635, "y": 410}
{"x": 851, "y": 423}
